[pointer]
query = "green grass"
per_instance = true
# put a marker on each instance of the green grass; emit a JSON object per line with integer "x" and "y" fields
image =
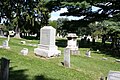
{"x": 32, "y": 67}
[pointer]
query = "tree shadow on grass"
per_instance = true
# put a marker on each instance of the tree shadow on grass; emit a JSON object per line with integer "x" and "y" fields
{"x": 43, "y": 77}
{"x": 17, "y": 74}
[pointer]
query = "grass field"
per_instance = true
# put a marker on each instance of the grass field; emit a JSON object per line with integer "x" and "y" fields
{"x": 32, "y": 67}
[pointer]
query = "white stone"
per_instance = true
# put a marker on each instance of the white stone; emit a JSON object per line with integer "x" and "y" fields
{"x": 88, "y": 53}
{"x": 24, "y": 51}
{"x": 97, "y": 50}
{"x": 117, "y": 60}
{"x": 113, "y": 75}
{"x": 104, "y": 58}
{"x": 47, "y": 47}
{"x": 89, "y": 37}
{"x": 1, "y": 46}
{"x": 6, "y": 44}
{"x": 67, "y": 57}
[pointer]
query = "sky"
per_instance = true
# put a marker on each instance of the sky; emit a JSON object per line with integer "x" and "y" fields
{"x": 56, "y": 15}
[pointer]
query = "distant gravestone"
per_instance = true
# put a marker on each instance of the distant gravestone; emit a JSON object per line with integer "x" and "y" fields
{"x": 113, "y": 75}
{"x": 47, "y": 47}
{"x": 67, "y": 57}
{"x": 24, "y": 51}
{"x": 88, "y": 53}
{"x": 6, "y": 44}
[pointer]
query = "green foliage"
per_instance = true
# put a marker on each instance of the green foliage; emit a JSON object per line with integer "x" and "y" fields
{"x": 25, "y": 14}
{"x": 53, "y": 24}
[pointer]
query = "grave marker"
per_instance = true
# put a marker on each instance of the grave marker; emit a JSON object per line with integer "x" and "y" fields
{"x": 67, "y": 57}
{"x": 47, "y": 47}
{"x": 113, "y": 75}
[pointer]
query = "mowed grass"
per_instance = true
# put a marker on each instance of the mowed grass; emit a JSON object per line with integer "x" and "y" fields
{"x": 32, "y": 67}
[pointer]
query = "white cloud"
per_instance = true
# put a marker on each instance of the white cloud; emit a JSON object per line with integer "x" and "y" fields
{"x": 56, "y": 15}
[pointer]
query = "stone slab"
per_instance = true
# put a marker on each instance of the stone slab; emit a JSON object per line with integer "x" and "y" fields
{"x": 67, "y": 57}
{"x": 113, "y": 75}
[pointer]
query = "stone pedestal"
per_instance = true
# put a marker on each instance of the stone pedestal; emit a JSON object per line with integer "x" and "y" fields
{"x": 113, "y": 75}
{"x": 47, "y": 47}
{"x": 72, "y": 43}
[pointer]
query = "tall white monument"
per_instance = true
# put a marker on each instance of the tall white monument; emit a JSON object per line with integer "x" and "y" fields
{"x": 47, "y": 47}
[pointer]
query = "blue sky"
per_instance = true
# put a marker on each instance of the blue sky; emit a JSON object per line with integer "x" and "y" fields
{"x": 55, "y": 15}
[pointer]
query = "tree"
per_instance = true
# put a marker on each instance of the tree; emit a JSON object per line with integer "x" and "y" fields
{"x": 62, "y": 26}
{"x": 107, "y": 8}
{"x": 24, "y": 13}
{"x": 53, "y": 23}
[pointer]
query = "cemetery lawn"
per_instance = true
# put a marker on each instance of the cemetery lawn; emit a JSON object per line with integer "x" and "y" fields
{"x": 32, "y": 67}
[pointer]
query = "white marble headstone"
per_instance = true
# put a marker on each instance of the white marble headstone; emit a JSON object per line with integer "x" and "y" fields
{"x": 113, "y": 75}
{"x": 6, "y": 44}
{"x": 47, "y": 47}
{"x": 24, "y": 51}
{"x": 67, "y": 57}
{"x": 88, "y": 53}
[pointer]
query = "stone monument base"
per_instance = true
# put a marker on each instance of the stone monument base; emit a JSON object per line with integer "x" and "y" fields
{"x": 73, "y": 50}
{"x": 47, "y": 50}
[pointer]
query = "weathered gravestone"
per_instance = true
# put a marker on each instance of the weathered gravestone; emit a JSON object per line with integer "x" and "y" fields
{"x": 113, "y": 75}
{"x": 72, "y": 43}
{"x": 24, "y": 51}
{"x": 88, "y": 53}
{"x": 67, "y": 57}
{"x": 6, "y": 44}
{"x": 47, "y": 47}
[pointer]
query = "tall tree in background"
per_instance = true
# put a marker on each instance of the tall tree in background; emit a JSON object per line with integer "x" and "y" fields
{"x": 24, "y": 14}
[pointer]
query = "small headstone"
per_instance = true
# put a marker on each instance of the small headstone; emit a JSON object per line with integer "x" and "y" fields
{"x": 104, "y": 58}
{"x": 88, "y": 53}
{"x": 34, "y": 45}
{"x": 113, "y": 75}
{"x": 117, "y": 60}
{"x": 6, "y": 44}
{"x": 1, "y": 46}
{"x": 24, "y": 51}
{"x": 97, "y": 50}
{"x": 67, "y": 57}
